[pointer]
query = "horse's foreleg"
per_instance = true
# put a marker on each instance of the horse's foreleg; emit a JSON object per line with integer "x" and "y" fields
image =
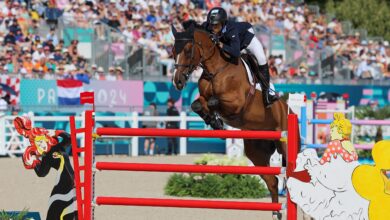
{"x": 200, "y": 107}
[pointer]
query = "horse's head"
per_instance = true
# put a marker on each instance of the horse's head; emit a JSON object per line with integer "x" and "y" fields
{"x": 188, "y": 52}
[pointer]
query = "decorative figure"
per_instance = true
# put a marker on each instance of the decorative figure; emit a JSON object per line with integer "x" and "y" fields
{"x": 45, "y": 152}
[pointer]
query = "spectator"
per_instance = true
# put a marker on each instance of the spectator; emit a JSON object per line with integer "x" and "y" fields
{"x": 28, "y": 64}
{"x": 111, "y": 74}
{"x": 57, "y": 54}
{"x": 9, "y": 38}
{"x": 119, "y": 73}
{"x": 49, "y": 45}
{"x": 52, "y": 36}
{"x": 93, "y": 69}
{"x": 61, "y": 73}
{"x": 172, "y": 142}
{"x": 38, "y": 54}
{"x": 150, "y": 142}
{"x": 50, "y": 75}
{"x": 73, "y": 49}
{"x": 114, "y": 21}
{"x": 100, "y": 74}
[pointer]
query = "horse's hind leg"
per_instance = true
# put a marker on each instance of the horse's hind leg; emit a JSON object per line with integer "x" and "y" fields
{"x": 200, "y": 107}
{"x": 259, "y": 152}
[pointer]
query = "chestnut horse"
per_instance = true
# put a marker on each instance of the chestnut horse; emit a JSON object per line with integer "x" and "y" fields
{"x": 226, "y": 93}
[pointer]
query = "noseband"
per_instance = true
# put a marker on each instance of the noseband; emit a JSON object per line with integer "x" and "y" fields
{"x": 191, "y": 67}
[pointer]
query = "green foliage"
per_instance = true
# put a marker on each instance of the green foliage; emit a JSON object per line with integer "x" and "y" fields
{"x": 20, "y": 216}
{"x": 216, "y": 185}
{"x": 372, "y": 15}
{"x": 363, "y": 112}
{"x": 210, "y": 159}
{"x": 364, "y": 154}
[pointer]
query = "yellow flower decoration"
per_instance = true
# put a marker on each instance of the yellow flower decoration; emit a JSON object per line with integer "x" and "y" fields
{"x": 371, "y": 182}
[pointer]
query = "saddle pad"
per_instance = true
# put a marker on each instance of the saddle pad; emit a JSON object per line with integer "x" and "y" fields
{"x": 248, "y": 72}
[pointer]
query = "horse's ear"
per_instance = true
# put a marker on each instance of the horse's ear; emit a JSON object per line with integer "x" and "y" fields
{"x": 189, "y": 25}
{"x": 174, "y": 31}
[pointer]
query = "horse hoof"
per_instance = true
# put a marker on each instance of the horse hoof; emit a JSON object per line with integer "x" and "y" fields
{"x": 276, "y": 216}
{"x": 196, "y": 106}
{"x": 216, "y": 124}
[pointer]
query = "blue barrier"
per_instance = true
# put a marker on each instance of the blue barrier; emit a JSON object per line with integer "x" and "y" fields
{"x": 302, "y": 122}
{"x": 320, "y": 121}
{"x": 316, "y": 146}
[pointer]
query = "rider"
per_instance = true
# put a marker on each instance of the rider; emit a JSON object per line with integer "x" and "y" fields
{"x": 233, "y": 37}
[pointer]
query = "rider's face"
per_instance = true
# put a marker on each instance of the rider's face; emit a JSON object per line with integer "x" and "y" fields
{"x": 216, "y": 28}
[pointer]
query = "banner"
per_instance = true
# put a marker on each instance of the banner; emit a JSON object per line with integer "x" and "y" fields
{"x": 128, "y": 96}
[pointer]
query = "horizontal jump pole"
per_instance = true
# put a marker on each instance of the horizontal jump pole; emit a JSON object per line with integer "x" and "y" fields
{"x": 186, "y": 168}
{"x": 332, "y": 111}
{"x": 184, "y": 203}
{"x": 355, "y": 122}
{"x": 152, "y": 132}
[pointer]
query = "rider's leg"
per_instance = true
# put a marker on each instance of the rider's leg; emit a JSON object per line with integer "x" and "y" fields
{"x": 257, "y": 50}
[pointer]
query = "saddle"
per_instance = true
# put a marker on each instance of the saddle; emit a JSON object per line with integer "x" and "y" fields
{"x": 251, "y": 60}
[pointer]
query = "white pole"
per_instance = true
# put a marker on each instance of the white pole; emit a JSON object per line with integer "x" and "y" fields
{"x": 309, "y": 127}
{"x": 2, "y": 134}
{"x": 183, "y": 140}
{"x": 352, "y": 109}
{"x": 134, "y": 140}
{"x": 82, "y": 141}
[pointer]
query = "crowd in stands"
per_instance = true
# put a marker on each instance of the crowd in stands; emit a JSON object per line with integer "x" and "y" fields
{"x": 147, "y": 23}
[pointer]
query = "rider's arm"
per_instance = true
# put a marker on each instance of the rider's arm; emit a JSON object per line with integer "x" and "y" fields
{"x": 232, "y": 47}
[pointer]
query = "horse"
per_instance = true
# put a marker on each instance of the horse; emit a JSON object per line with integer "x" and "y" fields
{"x": 226, "y": 95}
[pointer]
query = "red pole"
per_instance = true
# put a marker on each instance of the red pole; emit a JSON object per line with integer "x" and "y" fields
{"x": 181, "y": 203}
{"x": 292, "y": 141}
{"x": 185, "y": 168}
{"x": 75, "y": 153}
{"x": 88, "y": 160}
{"x": 269, "y": 135}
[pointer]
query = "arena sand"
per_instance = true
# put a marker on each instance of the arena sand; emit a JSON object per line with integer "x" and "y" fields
{"x": 20, "y": 188}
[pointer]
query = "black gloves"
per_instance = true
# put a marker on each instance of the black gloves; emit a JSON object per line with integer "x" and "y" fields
{"x": 214, "y": 38}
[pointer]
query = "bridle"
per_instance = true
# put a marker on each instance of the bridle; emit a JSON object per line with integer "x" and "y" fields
{"x": 191, "y": 67}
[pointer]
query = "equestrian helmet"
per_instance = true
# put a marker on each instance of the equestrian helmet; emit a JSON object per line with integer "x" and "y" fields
{"x": 217, "y": 15}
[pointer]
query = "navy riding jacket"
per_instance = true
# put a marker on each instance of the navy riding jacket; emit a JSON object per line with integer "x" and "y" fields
{"x": 234, "y": 36}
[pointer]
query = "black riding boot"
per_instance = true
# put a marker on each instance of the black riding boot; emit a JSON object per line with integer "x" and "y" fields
{"x": 264, "y": 80}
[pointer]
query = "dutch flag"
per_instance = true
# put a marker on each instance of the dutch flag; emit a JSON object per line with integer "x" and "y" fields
{"x": 69, "y": 91}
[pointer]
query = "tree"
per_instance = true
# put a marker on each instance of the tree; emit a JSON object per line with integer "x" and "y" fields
{"x": 372, "y": 15}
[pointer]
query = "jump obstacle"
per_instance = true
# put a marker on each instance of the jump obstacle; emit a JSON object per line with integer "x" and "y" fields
{"x": 86, "y": 199}
{"x": 308, "y": 120}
